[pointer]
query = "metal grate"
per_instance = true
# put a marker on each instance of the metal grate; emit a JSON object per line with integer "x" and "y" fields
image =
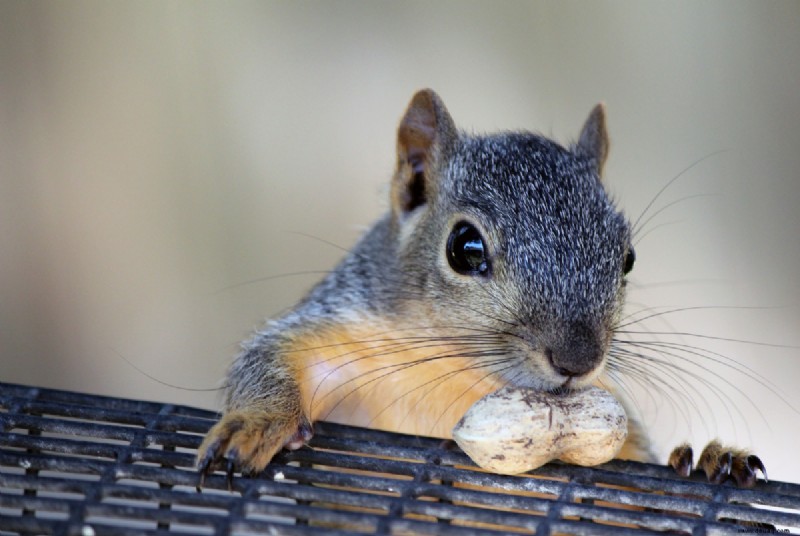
{"x": 77, "y": 464}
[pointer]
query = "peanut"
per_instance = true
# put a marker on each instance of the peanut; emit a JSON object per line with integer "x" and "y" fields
{"x": 514, "y": 430}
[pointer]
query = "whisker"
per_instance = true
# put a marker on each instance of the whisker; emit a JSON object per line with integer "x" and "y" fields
{"x": 637, "y": 239}
{"x": 708, "y": 337}
{"x": 670, "y": 183}
{"x": 638, "y": 369}
{"x": 391, "y": 348}
{"x": 615, "y": 374}
{"x": 429, "y": 343}
{"x": 657, "y": 284}
{"x": 393, "y": 368}
{"x": 729, "y": 363}
{"x": 465, "y": 391}
{"x": 635, "y": 364}
{"x": 720, "y": 394}
{"x": 441, "y": 379}
{"x": 167, "y": 384}
{"x": 674, "y": 310}
{"x": 389, "y": 341}
{"x": 269, "y": 278}
{"x": 662, "y": 209}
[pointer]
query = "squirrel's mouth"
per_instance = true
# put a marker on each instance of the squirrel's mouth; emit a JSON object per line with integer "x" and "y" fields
{"x": 577, "y": 382}
{"x": 544, "y": 378}
{"x": 577, "y": 378}
{"x": 535, "y": 369}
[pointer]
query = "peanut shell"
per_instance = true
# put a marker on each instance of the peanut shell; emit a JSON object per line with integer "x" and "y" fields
{"x": 514, "y": 430}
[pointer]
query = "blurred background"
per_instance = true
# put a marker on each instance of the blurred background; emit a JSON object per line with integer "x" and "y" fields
{"x": 163, "y": 163}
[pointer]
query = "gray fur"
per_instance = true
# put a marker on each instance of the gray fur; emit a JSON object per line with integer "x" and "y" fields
{"x": 557, "y": 246}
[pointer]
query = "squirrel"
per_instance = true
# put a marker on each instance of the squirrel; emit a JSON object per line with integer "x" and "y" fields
{"x": 502, "y": 260}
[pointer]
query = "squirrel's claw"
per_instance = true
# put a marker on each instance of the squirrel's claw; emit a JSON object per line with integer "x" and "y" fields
{"x": 230, "y": 470}
{"x": 204, "y": 464}
{"x": 744, "y": 468}
{"x": 247, "y": 440}
{"x": 716, "y": 463}
{"x": 301, "y": 436}
{"x": 719, "y": 463}
{"x": 682, "y": 459}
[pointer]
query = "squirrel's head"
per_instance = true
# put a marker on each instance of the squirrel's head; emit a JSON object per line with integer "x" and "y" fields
{"x": 513, "y": 236}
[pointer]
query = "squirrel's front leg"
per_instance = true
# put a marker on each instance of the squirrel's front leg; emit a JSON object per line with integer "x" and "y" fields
{"x": 263, "y": 413}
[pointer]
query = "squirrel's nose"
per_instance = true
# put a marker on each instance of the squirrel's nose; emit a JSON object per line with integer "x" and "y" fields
{"x": 569, "y": 366}
{"x": 576, "y": 354}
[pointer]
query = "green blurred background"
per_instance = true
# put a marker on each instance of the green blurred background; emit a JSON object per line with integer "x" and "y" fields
{"x": 158, "y": 157}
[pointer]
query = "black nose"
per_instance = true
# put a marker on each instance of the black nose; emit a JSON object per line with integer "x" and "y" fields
{"x": 567, "y": 364}
{"x": 577, "y": 352}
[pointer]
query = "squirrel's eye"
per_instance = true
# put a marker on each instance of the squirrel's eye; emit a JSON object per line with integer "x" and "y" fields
{"x": 466, "y": 251}
{"x": 630, "y": 259}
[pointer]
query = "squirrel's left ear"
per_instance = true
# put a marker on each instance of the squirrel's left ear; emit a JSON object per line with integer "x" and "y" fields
{"x": 424, "y": 138}
{"x": 593, "y": 142}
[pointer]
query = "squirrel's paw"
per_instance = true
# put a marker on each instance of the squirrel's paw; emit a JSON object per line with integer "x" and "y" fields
{"x": 719, "y": 463}
{"x": 247, "y": 439}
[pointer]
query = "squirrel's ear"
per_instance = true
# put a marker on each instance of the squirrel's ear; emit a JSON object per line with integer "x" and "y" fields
{"x": 424, "y": 138}
{"x": 593, "y": 142}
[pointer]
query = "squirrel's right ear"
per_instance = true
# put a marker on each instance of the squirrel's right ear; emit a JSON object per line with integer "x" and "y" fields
{"x": 425, "y": 136}
{"x": 593, "y": 142}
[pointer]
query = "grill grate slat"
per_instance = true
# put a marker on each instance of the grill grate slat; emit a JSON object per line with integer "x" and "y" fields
{"x": 79, "y": 464}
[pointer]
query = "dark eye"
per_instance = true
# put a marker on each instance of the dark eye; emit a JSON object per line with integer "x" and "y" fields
{"x": 630, "y": 259}
{"x": 466, "y": 251}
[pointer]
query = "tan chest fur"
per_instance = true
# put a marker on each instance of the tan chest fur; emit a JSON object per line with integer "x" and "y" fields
{"x": 397, "y": 380}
